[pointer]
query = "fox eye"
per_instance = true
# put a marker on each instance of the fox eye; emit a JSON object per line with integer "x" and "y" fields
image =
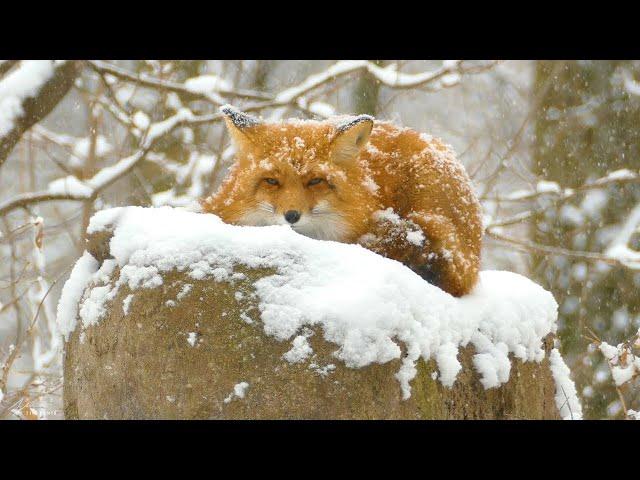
{"x": 314, "y": 181}
{"x": 272, "y": 181}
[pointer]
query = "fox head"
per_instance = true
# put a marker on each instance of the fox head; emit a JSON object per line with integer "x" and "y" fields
{"x": 304, "y": 174}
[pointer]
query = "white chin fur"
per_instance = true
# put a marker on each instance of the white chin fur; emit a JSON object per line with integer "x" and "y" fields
{"x": 321, "y": 227}
{"x": 325, "y": 227}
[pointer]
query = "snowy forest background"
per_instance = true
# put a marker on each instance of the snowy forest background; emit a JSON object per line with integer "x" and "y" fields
{"x": 553, "y": 148}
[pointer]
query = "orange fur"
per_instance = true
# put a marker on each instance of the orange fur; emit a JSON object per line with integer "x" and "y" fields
{"x": 364, "y": 167}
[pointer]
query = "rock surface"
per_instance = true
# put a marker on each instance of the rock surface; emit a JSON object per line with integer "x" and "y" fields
{"x": 169, "y": 359}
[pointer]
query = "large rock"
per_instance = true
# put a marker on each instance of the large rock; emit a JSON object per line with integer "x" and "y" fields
{"x": 199, "y": 352}
{"x": 142, "y": 365}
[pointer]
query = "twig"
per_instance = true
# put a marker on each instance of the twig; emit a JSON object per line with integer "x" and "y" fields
{"x": 528, "y": 246}
{"x": 152, "y": 82}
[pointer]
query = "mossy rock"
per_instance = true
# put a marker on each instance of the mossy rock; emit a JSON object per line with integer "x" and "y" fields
{"x": 180, "y": 359}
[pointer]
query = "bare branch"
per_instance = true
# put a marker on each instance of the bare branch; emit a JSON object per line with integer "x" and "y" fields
{"x": 529, "y": 246}
{"x": 25, "y": 199}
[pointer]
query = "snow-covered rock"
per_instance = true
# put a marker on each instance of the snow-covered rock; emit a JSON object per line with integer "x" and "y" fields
{"x": 314, "y": 302}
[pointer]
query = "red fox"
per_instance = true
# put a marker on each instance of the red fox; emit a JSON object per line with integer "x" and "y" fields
{"x": 397, "y": 192}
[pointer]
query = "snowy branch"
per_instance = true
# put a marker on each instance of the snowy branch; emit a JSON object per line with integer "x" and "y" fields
{"x": 73, "y": 189}
{"x": 6, "y": 65}
{"x": 618, "y": 252}
{"x": 543, "y": 187}
{"x": 632, "y": 86}
{"x": 28, "y": 94}
{"x": 529, "y": 246}
{"x": 388, "y": 76}
{"x": 623, "y": 363}
{"x": 25, "y": 199}
{"x": 209, "y": 90}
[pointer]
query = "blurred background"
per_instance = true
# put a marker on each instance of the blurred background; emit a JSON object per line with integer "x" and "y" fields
{"x": 553, "y": 148}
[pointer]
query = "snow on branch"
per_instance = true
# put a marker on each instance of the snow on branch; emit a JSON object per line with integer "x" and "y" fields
{"x": 77, "y": 148}
{"x": 27, "y": 94}
{"x": 6, "y": 65}
{"x": 632, "y": 86}
{"x": 72, "y": 189}
{"x": 109, "y": 175}
{"x": 617, "y": 253}
{"x": 210, "y": 87}
{"x": 447, "y": 75}
{"x": 566, "y": 395}
{"x": 388, "y": 76}
{"x": 624, "y": 364}
{"x": 207, "y": 87}
{"x": 75, "y": 190}
{"x": 619, "y": 247}
{"x": 544, "y": 187}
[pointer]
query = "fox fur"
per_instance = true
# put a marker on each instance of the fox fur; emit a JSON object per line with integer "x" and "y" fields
{"x": 393, "y": 190}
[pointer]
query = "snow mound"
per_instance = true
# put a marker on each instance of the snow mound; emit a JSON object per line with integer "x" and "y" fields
{"x": 369, "y": 306}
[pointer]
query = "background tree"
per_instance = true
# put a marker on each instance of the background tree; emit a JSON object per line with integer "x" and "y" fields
{"x": 587, "y": 127}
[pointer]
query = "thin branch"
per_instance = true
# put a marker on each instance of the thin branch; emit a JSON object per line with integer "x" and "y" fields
{"x": 293, "y": 95}
{"x": 619, "y": 177}
{"x": 529, "y": 246}
{"x": 179, "y": 88}
{"x": 25, "y": 199}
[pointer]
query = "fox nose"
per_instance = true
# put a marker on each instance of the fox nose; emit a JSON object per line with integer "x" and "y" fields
{"x": 292, "y": 216}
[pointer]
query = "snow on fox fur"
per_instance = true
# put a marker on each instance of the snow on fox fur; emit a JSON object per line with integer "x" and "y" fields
{"x": 327, "y": 179}
{"x": 367, "y": 305}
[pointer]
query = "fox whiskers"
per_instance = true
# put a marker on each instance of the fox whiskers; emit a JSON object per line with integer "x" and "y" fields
{"x": 262, "y": 214}
{"x": 266, "y": 207}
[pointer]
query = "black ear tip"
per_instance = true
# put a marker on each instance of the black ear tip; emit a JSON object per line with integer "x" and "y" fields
{"x": 238, "y": 118}
{"x": 363, "y": 118}
{"x": 227, "y": 109}
{"x": 355, "y": 121}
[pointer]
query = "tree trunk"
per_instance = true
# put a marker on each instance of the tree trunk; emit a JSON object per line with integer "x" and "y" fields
{"x": 586, "y": 126}
{"x": 365, "y": 95}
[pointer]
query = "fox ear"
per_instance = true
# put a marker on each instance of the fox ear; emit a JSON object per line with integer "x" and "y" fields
{"x": 350, "y": 138}
{"x": 239, "y": 125}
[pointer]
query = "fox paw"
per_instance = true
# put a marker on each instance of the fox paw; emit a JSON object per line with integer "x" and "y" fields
{"x": 428, "y": 273}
